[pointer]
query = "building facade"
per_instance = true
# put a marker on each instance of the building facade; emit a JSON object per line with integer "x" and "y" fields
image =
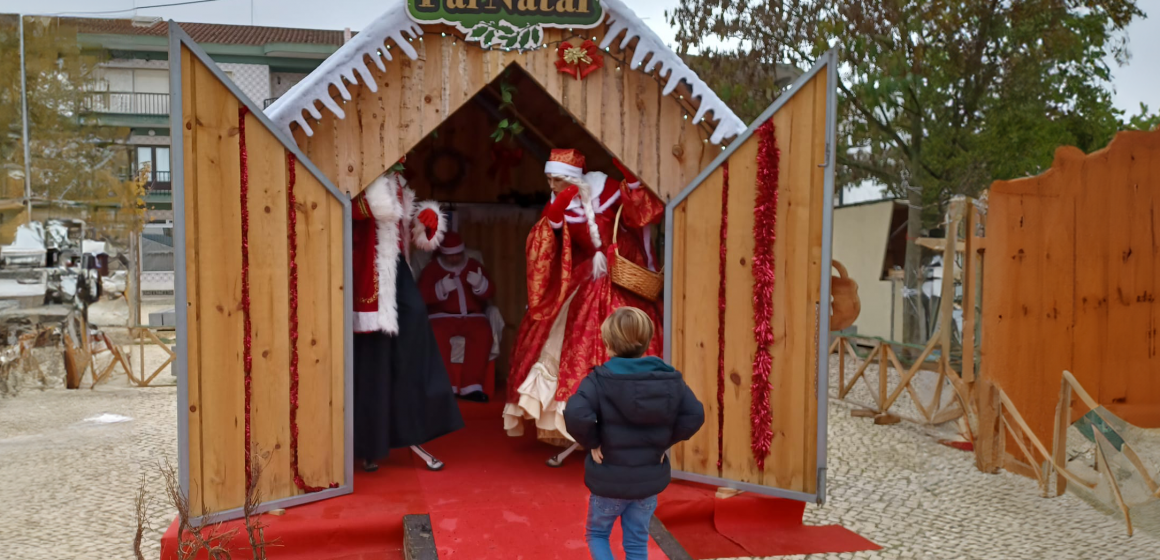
{"x": 132, "y": 85}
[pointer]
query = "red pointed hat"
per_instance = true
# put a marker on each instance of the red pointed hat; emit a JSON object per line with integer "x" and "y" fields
{"x": 569, "y": 163}
{"x": 452, "y": 244}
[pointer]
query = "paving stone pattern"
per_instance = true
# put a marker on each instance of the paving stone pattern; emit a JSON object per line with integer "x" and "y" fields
{"x": 67, "y": 487}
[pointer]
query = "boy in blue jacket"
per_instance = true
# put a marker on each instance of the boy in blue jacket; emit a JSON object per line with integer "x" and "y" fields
{"x": 629, "y": 412}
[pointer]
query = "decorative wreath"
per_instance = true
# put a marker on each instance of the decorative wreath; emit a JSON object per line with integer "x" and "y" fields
{"x": 446, "y": 168}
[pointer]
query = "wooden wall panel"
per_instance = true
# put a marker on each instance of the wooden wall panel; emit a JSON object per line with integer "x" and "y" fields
{"x": 213, "y": 123}
{"x": 1071, "y": 282}
{"x": 269, "y": 309}
{"x": 696, "y": 235}
{"x": 215, "y": 329}
{"x": 623, "y": 109}
{"x": 801, "y": 130}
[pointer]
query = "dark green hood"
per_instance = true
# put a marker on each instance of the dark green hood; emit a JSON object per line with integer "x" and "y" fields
{"x": 646, "y": 364}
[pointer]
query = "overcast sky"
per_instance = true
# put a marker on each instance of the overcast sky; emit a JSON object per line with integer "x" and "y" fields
{"x": 1138, "y": 82}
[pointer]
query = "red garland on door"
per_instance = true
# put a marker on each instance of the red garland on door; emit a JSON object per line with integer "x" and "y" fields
{"x": 721, "y": 316}
{"x": 248, "y": 359}
{"x": 764, "y": 235}
{"x": 292, "y": 240}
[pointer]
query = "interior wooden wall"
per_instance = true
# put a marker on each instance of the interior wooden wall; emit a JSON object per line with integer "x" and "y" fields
{"x": 622, "y": 108}
{"x": 1070, "y": 282}
{"x": 792, "y": 461}
{"x": 215, "y": 373}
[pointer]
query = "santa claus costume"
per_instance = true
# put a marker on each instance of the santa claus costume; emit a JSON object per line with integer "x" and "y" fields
{"x": 402, "y": 395}
{"x": 456, "y": 289}
{"x": 570, "y": 292}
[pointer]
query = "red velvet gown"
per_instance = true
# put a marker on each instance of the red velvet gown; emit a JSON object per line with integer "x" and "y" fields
{"x": 559, "y": 341}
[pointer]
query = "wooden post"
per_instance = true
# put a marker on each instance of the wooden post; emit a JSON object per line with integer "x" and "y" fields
{"x": 947, "y": 299}
{"x": 883, "y": 371}
{"x": 841, "y": 364}
{"x": 970, "y": 271}
{"x": 1059, "y": 441}
{"x": 989, "y": 441}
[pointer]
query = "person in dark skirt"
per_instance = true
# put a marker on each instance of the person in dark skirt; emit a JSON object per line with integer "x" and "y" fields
{"x": 402, "y": 394}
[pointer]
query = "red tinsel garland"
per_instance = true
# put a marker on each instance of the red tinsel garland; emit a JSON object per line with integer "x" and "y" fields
{"x": 248, "y": 360}
{"x": 764, "y": 235}
{"x": 292, "y": 241}
{"x": 721, "y": 316}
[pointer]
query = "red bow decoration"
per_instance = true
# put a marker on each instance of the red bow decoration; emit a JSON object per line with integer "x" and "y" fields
{"x": 579, "y": 61}
{"x": 503, "y": 159}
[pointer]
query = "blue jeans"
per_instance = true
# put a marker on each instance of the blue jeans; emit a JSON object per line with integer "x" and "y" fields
{"x": 634, "y": 520}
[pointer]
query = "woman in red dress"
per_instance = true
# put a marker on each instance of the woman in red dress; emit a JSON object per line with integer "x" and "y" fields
{"x": 570, "y": 291}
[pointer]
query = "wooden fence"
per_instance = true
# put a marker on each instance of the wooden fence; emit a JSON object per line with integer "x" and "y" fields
{"x": 1071, "y": 282}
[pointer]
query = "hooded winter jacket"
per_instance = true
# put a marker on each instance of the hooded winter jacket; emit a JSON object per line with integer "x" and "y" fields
{"x": 634, "y": 410}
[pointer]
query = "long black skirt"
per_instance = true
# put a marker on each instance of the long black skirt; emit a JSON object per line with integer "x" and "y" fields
{"x": 402, "y": 395}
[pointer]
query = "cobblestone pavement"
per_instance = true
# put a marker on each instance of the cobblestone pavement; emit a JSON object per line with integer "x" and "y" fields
{"x": 67, "y": 487}
{"x": 897, "y": 486}
{"x": 67, "y": 483}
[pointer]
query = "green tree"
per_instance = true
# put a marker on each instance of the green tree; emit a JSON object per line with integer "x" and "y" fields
{"x": 954, "y": 94}
{"x": 73, "y": 158}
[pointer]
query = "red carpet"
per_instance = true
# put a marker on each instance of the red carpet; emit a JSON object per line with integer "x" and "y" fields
{"x": 747, "y": 525}
{"x": 496, "y": 500}
{"x": 365, "y": 525}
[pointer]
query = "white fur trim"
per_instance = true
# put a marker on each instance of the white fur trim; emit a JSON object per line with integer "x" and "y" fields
{"x": 634, "y": 185}
{"x": 382, "y": 200}
{"x": 443, "y": 250}
{"x": 419, "y": 231}
{"x": 384, "y": 204}
{"x": 408, "y": 198}
{"x": 561, "y": 168}
{"x": 599, "y": 265}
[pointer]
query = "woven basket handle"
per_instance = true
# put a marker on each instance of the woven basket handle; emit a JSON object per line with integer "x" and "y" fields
{"x": 616, "y": 230}
{"x": 841, "y": 269}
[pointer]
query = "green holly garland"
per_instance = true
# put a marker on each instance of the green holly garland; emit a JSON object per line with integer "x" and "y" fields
{"x": 506, "y": 35}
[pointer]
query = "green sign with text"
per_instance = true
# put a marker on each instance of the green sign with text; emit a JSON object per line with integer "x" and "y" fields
{"x": 511, "y": 24}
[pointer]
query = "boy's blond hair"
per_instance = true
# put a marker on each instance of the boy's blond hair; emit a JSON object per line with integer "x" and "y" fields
{"x": 627, "y": 332}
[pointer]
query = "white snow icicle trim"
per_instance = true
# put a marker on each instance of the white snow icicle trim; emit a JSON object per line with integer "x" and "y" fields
{"x": 621, "y": 18}
{"x": 342, "y": 66}
{"x": 347, "y": 66}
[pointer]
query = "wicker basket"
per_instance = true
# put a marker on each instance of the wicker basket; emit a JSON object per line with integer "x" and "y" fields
{"x": 631, "y": 276}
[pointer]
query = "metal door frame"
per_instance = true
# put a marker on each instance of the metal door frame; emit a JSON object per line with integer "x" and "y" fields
{"x": 828, "y": 63}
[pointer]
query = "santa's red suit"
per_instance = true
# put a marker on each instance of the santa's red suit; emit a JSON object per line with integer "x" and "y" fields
{"x": 402, "y": 395}
{"x": 570, "y": 291}
{"x": 456, "y": 297}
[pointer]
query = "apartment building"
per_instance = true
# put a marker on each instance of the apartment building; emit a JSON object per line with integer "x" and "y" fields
{"x": 132, "y": 90}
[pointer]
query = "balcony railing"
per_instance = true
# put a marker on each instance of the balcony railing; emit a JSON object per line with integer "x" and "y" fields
{"x": 267, "y": 103}
{"x": 127, "y": 103}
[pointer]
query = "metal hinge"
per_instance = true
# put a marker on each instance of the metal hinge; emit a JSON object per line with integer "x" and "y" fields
{"x": 826, "y": 162}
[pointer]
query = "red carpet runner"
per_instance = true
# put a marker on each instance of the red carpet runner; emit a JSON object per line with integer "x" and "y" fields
{"x": 496, "y": 500}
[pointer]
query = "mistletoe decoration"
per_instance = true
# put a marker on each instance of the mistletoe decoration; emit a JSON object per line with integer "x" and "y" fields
{"x": 507, "y": 127}
{"x": 506, "y": 35}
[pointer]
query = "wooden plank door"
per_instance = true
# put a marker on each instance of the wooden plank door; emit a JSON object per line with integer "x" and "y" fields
{"x": 709, "y": 298}
{"x": 264, "y": 353}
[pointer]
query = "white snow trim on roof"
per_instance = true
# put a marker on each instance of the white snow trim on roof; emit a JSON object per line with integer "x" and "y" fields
{"x": 395, "y": 24}
{"x": 670, "y": 66}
